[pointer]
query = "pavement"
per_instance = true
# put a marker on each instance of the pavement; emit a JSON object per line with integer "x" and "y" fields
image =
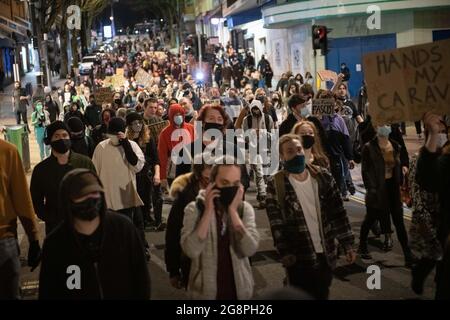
{"x": 350, "y": 282}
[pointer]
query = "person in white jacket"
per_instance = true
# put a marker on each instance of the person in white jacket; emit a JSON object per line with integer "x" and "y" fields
{"x": 117, "y": 160}
{"x": 219, "y": 235}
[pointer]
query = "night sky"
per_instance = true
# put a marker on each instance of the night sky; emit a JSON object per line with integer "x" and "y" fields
{"x": 125, "y": 15}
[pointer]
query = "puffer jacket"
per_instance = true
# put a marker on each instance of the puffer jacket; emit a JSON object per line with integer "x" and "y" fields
{"x": 204, "y": 253}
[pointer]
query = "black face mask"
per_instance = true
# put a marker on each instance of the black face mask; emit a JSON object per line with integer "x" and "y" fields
{"x": 87, "y": 210}
{"x": 262, "y": 99}
{"x": 141, "y": 100}
{"x": 212, "y": 125}
{"x": 308, "y": 141}
{"x": 227, "y": 195}
{"x": 61, "y": 145}
{"x": 117, "y": 101}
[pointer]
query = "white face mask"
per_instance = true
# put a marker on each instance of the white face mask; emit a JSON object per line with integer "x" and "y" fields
{"x": 114, "y": 139}
{"x": 442, "y": 139}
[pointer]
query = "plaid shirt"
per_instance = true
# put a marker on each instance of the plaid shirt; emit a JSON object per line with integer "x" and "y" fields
{"x": 291, "y": 235}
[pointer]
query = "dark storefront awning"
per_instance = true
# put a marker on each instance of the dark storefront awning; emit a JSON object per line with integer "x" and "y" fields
{"x": 6, "y": 43}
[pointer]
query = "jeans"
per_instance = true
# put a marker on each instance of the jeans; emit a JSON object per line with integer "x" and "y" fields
{"x": 135, "y": 215}
{"x": 9, "y": 269}
{"x": 316, "y": 282}
{"x": 348, "y": 181}
{"x": 43, "y": 149}
{"x": 259, "y": 179}
{"x": 337, "y": 170}
{"x": 157, "y": 202}
{"x": 394, "y": 210}
{"x": 22, "y": 115}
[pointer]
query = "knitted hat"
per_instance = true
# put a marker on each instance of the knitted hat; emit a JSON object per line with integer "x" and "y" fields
{"x": 75, "y": 124}
{"x": 133, "y": 116}
{"x": 116, "y": 125}
{"x": 52, "y": 128}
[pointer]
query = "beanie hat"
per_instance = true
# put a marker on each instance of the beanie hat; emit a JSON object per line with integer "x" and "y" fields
{"x": 133, "y": 116}
{"x": 75, "y": 124}
{"x": 52, "y": 128}
{"x": 116, "y": 125}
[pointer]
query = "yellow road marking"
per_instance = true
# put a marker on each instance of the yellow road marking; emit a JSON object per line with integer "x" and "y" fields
{"x": 407, "y": 216}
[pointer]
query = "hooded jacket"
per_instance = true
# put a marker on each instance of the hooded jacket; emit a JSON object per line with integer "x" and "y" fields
{"x": 165, "y": 144}
{"x": 204, "y": 253}
{"x": 119, "y": 272}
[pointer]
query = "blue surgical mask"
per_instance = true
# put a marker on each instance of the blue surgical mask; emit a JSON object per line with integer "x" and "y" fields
{"x": 304, "y": 112}
{"x": 384, "y": 131}
{"x": 178, "y": 120}
{"x": 296, "y": 164}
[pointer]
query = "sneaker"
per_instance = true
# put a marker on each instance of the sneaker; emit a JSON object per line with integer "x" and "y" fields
{"x": 364, "y": 253}
{"x": 345, "y": 198}
{"x": 147, "y": 254}
{"x": 352, "y": 190}
{"x": 388, "y": 244}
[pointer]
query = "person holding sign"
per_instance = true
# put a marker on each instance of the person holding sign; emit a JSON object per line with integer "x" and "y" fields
{"x": 383, "y": 163}
{"x": 337, "y": 145}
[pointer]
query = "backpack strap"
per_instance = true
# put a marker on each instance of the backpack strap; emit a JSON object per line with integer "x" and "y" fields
{"x": 280, "y": 191}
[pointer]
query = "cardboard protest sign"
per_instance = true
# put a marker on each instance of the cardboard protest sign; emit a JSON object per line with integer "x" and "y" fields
{"x": 103, "y": 95}
{"x": 156, "y": 128}
{"x": 117, "y": 81}
{"x": 327, "y": 75}
{"x": 119, "y": 71}
{"x": 403, "y": 84}
{"x": 143, "y": 78}
{"x": 323, "y": 106}
{"x": 160, "y": 55}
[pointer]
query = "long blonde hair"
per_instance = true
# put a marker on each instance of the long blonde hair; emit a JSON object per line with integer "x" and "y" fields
{"x": 319, "y": 155}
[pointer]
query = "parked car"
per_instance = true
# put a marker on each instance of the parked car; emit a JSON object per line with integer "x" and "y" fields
{"x": 86, "y": 64}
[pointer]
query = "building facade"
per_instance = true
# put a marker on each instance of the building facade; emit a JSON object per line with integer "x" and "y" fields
{"x": 15, "y": 38}
{"x": 358, "y": 27}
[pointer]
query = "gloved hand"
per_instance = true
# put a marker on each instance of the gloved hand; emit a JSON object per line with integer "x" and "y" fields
{"x": 34, "y": 254}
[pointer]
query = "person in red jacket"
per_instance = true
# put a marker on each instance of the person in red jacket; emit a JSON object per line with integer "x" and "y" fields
{"x": 166, "y": 142}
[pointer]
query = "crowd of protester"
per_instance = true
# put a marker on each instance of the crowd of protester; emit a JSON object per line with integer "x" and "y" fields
{"x": 108, "y": 167}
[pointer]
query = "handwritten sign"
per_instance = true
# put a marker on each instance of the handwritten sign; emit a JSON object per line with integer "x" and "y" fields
{"x": 323, "y": 106}
{"x": 103, "y": 95}
{"x": 327, "y": 75}
{"x": 117, "y": 81}
{"x": 160, "y": 55}
{"x": 143, "y": 78}
{"x": 405, "y": 83}
{"x": 119, "y": 71}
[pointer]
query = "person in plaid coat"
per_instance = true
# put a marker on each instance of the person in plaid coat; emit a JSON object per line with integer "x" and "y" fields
{"x": 307, "y": 215}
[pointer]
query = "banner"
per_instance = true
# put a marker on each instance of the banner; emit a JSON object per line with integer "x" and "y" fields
{"x": 403, "y": 84}
{"x": 323, "y": 106}
{"x": 103, "y": 95}
{"x": 296, "y": 58}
